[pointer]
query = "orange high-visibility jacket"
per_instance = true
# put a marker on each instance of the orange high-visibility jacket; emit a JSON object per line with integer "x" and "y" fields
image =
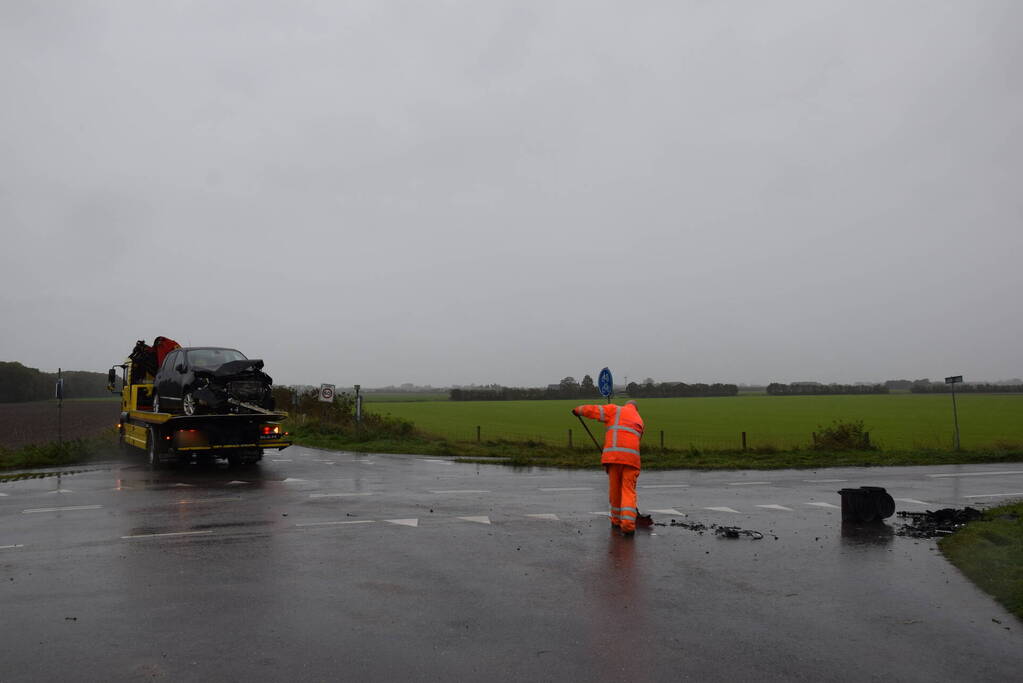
{"x": 624, "y": 430}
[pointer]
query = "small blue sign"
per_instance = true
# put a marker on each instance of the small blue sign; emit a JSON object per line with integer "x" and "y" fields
{"x": 605, "y": 383}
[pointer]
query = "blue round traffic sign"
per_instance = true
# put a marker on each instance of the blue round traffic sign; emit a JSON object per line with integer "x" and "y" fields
{"x": 605, "y": 383}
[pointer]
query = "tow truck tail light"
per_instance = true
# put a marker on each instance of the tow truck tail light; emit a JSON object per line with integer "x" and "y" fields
{"x": 271, "y": 429}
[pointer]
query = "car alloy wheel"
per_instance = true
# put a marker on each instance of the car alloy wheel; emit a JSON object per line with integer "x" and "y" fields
{"x": 189, "y": 404}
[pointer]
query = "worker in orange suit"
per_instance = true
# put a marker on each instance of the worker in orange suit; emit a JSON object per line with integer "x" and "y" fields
{"x": 620, "y": 458}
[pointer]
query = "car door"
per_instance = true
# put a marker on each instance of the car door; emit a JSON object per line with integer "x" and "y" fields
{"x": 166, "y": 380}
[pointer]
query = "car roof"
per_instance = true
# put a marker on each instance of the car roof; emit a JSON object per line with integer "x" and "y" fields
{"x": 208, "y": 348}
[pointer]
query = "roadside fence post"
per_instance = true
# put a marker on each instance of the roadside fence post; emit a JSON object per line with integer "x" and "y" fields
{"x": 662, "y": 440}
{"x": 866, "y": 439}
{"x": 477, "y": 433}
{"x": 813, "y": 435}
{"x": 569, "y": 438}
{"x": 744, "y": 441}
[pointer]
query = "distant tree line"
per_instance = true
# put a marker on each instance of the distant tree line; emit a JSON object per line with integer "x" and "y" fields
{"x": 19, "y": 383}
{"x": 650, "y": 389}
{"x": 818, "y": 389}
{"x": 925, "y": 386}
{"x": 586, "y": 390}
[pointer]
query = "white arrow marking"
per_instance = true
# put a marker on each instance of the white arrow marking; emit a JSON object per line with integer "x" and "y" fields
{"x": 775, "y": 507}
{"x": 824, "y": 505}
{"x": 359, "y": 521}
{"x": 479, "y": 520}
{"x": 73, "y": 507}
{"x": 544, "y": 515}
{"x": 175, "y": 533}
{"x": 723, "y": 509}
{"x": 337, "y": 495}
{"x": 404, "y": 522}
{"x": 914, "y": 501}
{"x": 569, "y": 488}
{"x": 973, "y": 474}
{"x": 668, "y": 511}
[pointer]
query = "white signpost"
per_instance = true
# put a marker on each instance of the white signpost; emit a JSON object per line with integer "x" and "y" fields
{"x": 327, "y": 393}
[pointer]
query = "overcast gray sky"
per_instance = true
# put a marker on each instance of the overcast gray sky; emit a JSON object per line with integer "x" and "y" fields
{"x": 455, "y": 192}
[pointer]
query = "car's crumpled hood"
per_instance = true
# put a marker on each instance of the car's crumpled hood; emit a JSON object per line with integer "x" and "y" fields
{"x": 237, "y": 369}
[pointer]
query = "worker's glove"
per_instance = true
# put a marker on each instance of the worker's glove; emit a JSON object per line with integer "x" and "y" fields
{"x": 574, "y": 412}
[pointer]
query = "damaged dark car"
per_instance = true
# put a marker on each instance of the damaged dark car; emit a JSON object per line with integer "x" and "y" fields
{"x": 211, "y": 380}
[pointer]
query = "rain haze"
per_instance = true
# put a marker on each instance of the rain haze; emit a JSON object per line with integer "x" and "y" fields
{"x": 474, "y": 192}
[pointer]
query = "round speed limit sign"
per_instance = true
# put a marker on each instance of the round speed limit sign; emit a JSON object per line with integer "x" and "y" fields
{"x": 327, "y": 392}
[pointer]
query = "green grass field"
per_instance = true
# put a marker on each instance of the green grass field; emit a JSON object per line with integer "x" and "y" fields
{"x": 895, "y": 421}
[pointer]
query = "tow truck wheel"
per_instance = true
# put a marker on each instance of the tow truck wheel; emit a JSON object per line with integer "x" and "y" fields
{"x": 154, "y": 457}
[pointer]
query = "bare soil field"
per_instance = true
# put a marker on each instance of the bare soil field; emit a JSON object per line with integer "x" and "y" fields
{"x": 22, "y": 424}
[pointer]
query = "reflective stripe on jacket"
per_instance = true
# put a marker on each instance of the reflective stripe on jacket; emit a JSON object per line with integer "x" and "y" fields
{"x": 624, "y": 430}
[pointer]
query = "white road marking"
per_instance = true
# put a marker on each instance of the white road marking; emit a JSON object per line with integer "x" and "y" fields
{"x": 914, "y": 501}
{"x": 436, "y": 462}
{"x": 824, "y": 481}
{"x": 3, "y": 494}
{"x": 358, "y": 521}
{"x": 664, "y": 486}
{"x": 237, "y": 483}
{"x": 747, "y": 483}
{"x": 173, "y": 533}
{"x": 568, "y": 488}
{"x": 72, "y": 507}
{"x": 62, "y": 491}
{"x": 668, "y": 511}
{"x": 723, "y": 509}
{"x": 606, "y": 514}
{"x": 215, "y": 499}
{"x": 824, "y": 505}
{"x": 329, "y": 462}
{"x": 459, "y": 491}
{"x": 337, "y": 495}
{"x": 282, "y": 459}
{"x": 292, "y": 480}
{"x": 403, "y": 522}
{"x": 995, "y": 495}
{"x": 479, "y": 520}
{"x": 366, "y": 462}
{"x": 544, "y": 515}
{"x": 973, "y": 474}
{"x": 179, "y": 484}
{"x": 775, "y": 507}
{"x": 9, "y": 547}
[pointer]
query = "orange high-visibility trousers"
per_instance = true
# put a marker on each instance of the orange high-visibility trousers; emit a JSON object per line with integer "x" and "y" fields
{"x": 621, "y": 495}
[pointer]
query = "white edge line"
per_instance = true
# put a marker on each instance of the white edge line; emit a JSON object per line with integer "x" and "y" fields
{"x": 8, "y": 547}
{"x": 994, "y": 495}
{"x": 459, "y": 491}
{"x": 337, "y": 495}
{"x": 972, "y": 474}
{"x": 173, "y": 533}
{"x": 357, "y": 521}
{"x": 64, "y": 509}
{"x": 664, "y": 486}
{"x": 569, "y": 488}
{"x": 747, "y": 483}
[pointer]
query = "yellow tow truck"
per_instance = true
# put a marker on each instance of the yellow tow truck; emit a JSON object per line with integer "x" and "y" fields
{"x": 240, "y": 437}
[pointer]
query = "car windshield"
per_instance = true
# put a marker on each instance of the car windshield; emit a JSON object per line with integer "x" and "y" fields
{"x": 211, "y": 359}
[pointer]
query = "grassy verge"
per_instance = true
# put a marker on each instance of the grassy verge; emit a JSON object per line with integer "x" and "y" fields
{"x": 71, "y": 452}
{"x": 538, "y": 454}
{"x": 990, "y": 553}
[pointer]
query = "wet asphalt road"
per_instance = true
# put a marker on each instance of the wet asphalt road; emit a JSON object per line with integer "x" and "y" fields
{"x": 319, "y": 565}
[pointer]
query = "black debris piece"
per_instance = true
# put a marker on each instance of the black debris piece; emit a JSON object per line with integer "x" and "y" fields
{"x": 721, "y": 531}
{"x": 934, "y": 523}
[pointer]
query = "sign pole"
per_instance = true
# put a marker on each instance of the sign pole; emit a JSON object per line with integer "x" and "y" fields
{"x": 60, "y": 407}
{"x": 955, "y": 379}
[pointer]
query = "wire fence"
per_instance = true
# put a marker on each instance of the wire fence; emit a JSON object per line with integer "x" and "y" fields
{"x": 576, "y": 437}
